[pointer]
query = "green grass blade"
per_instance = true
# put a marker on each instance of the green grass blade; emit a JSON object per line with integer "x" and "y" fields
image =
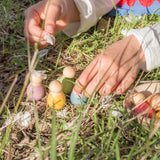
{"x": 117, "y": 152}
{"x": 74, "y": 139}
{"x": 38, "y": 132}
{"x": 53, "y": 151}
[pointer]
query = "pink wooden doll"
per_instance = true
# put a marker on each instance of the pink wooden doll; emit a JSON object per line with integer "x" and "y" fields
{"x": 35, "y": 89}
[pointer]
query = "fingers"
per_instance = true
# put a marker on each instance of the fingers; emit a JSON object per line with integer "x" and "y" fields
{"x": 32, "y": 30}
{"x": 105, "y": 71}
{"x": 94, "y": 76}
{"x": 108, "y": 87}
{"x": 49, "y": 12}
{"x": 89, "y": 72}
{"x": 121, "y": 85}
{"x": 126, "y": 82}
{"x": 60, "y": 25}
{"x": 33, "y": 22}
{"x": 53, "y": 13}
{"x": 34, "y": 17}
{"x": 96, "y": 73}
{"x": 109, "y": 82}
{"x": 32, "y": 39}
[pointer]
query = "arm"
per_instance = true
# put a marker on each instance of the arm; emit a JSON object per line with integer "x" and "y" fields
{"x": 122, "y": 61}
{"x": 56, "y": 14}
{"x": 90, "y": 11}
{"x": 72, "y": 16}
{"x": 149, "y": 38}
{"x": 114, "y": 70}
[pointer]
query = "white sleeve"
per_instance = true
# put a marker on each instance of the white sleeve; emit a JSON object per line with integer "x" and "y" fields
{"x": 90, "y": 11}
{"x": 149, "y": 38}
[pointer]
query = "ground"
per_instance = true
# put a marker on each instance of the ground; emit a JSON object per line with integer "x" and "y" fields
{"x": 88, "y": 132}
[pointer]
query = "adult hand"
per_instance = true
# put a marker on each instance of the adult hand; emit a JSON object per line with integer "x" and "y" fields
{"x": 114, "y": 70}
{"x": 56, "y": 14}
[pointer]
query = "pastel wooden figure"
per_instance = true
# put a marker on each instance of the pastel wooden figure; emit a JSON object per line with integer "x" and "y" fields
{"x": 67, "y": 79}
{"x": 35, "y": 89}
{"x": 142, "y": 108}
{"x": 78, "y": 99}
{"x": 157, "y": 116}
{"x": 138, "y": 98}
{"x": 155, "y": 102}
{"x": 56, "y": 97}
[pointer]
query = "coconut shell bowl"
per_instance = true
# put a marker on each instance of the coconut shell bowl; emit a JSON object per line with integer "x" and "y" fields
{"x": 143, "y": 103}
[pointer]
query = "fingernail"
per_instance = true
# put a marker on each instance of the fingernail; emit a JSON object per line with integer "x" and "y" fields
{"x": 119, "y": 91}
{"x": 75, "y": 93}
{"x": 107, "y": 89}
{"x": 84, "y": 95}
{"x": 49, "y": 29}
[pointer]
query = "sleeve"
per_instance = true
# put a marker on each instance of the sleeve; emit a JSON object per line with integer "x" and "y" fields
{"x": 149, "y": 38}
{"x": 90, "y": 11}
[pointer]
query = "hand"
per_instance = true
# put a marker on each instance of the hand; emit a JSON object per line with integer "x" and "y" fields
{"x": 56, "y": 13}
{"x": 114, "y": 70}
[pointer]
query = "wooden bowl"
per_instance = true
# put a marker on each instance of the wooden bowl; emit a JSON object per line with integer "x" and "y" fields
{"x": 148, "y": 89}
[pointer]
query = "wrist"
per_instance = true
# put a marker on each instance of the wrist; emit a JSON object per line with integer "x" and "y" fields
{"x": 140, "y": 52}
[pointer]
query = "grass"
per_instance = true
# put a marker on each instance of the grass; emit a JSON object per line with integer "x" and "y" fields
{"x": 82, "y": 134}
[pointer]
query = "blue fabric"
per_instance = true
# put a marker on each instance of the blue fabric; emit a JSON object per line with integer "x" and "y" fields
{"x": 137, "y": 9}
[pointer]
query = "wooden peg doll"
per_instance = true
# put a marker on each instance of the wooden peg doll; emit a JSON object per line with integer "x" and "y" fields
{"x": 35, "y": 89}
{"x": 67, "y": 79}
{"x": 56, "y": 97}
{"x": 78, "y": 99}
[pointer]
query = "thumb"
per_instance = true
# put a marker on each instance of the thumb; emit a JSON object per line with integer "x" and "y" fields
{"x": 52, "y": 14}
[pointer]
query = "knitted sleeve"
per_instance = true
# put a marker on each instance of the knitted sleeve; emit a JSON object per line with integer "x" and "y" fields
{"x": 149, "y": 38}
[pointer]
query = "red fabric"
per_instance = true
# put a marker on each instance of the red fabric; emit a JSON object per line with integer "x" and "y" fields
{"x": 145, "y": 3}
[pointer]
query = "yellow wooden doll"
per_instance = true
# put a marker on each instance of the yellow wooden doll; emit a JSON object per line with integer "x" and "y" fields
{"x": 56, "y": 97}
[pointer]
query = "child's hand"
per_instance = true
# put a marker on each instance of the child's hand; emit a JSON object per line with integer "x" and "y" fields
{"x": 56, "y": 13}
{"x": 118, "y": 65}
